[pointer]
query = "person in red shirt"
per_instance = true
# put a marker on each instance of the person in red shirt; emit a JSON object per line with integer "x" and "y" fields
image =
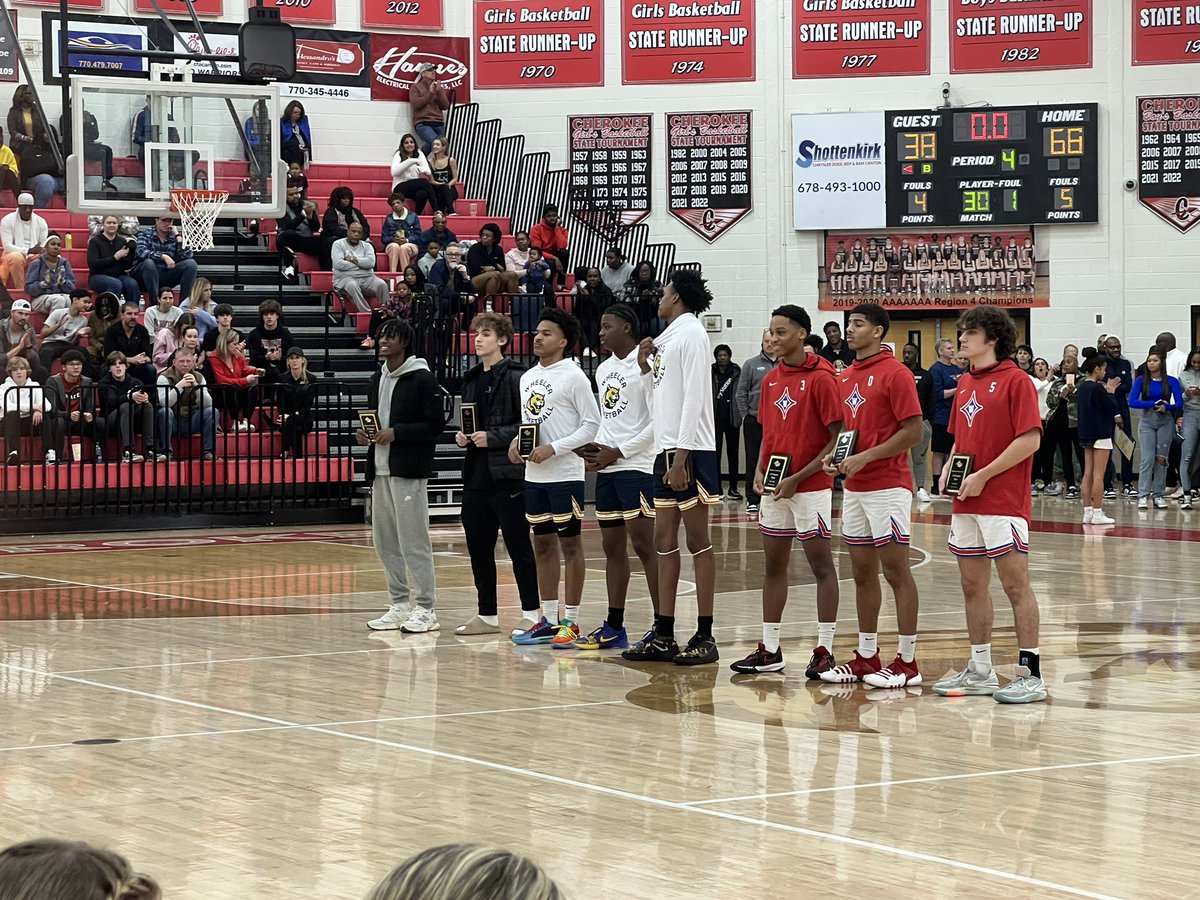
{"x": 995, "y": 419}
{"x": 880, "y": 404}
{"x": 234, "y": 380}
{"x": 552, "y": 238}
{"x": 801, "y": 414}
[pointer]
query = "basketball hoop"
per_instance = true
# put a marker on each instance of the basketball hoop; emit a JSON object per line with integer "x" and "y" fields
{"x": 198, "y": 211}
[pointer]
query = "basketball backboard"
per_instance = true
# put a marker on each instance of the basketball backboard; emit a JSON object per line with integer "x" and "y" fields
{"x": 190, "y": 136}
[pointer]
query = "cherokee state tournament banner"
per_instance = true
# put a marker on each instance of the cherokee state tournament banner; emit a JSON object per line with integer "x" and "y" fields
{"x": 1165, "y": 31}
{"x": 708, "y": 170}
{"x": 610, "y": 169}
{"x": 395, "y": 59}
{"x": 402, "y": 14}
{"x": 1169, "y": 158}
{"x": 696, "y": 42}
{"x": 836, "y": 42}
{"x": 1022, "y": 37}
{"x": 558, "y": 43}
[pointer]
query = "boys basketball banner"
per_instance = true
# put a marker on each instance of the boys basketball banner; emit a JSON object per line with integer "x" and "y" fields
{"x": 305, "y": 12}
{"x": 610, "y": 171}
{"x": 395, "y": 59}
{"x": 1169, "y": 158}
{"x": 1050, "y": 34}
{"x": 402, "y": 14}
{"x": 835, "y": 42}
{"x": 950, "y": 270}
{"x": 558, "y": 43}
{"x": 1165, "y": 31}
{"x": 708, "y": 170}
{"x": 696, "y": 42}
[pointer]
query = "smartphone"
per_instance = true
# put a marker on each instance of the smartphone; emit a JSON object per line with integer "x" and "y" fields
{"x": 1071, "y": 379}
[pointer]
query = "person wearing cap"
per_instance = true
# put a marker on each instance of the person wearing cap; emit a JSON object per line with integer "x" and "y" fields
{"x": 50, "y": 279}
{"x": 23, "y": 233}
{"x": 428, "y": 102}
{"x": 18, "y": 339}
{"x": 294, "y": 404}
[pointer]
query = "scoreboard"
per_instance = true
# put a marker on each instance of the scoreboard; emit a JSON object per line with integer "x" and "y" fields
{"x": 1016, "y": 165}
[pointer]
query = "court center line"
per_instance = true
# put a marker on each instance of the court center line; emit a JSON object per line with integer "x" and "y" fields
{"x": 592, "y": 788}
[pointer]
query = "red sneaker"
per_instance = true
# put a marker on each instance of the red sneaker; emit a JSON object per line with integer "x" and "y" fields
{"x": 822, "y": 661}
{"x": 898, "y": 674}
{"x": 856, "y": 670}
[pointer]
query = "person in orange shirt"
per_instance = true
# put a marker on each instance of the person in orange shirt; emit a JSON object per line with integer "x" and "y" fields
{"x": 552, "y": 238}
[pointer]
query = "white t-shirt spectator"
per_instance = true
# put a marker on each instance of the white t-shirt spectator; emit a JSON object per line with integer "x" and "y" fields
{"x": 18, "y": 235}
{"x": 66, "y": 327}
{"x": 157, "y": 320}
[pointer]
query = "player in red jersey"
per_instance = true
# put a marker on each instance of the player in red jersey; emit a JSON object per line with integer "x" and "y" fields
{"x": 800, "y": 413}
{"x": 996, "y": 420}
{"x": 880, "y": 404}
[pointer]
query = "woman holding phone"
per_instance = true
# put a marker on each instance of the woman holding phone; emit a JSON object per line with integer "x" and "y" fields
{"x": 1160, "y": 398}
{"x": 1098, "y": 415}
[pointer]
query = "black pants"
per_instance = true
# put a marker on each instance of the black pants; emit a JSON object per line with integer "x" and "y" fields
{"x": 130, "y": 419}
{"x": 16, "y": 425}
{"x": 419, "y": 191}
{"x": 295, "y": 429}
{"x": 289, "y": 152}
{"x": 753, "y": 445}
{"x": 289, "y": 243}
{"x": 484, "y": 513}
{"x": 1043, "y": 460}
{"x": 1066, "y": 440}
{"x": 443, "y": 198}
{"x": 102, "y": 152}
{"x": 89, "y": 434}
{"x": 727, "y": 434}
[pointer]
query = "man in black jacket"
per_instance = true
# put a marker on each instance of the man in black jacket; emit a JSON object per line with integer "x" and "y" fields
{"x": 920, "y": 450}
{"x": 132, "y": 340}
{"x": 270, "y": 340}
{"x": 725, "y": 376}
{"x": 494, "y": 488}
{"x": 408, "y": 401}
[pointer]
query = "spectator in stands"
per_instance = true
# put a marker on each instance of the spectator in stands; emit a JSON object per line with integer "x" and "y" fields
{"x": 162, "y": 260}
{"x": 257, "y": 129}
{"x": 93, "y": 150}
{"x": 142, "y": 131}
{"x": 25, "y": 409}
{"x": 184, "y": 405}
{"x": 295, "y": 138}
{"x": 234, "y": 381}
{"x": 200, "y": 304}
{"x": 1117, "y": 366}
{"x": 535, "y": 280}
{"x": 837, "y": 351}
{"x": 465, "y": 872}
{"x": 19, "y": 340}
{"x": 168, "y": 340}
{"x": 516, "y": 258}
{"x": 433, "y": 252}
{"x": 410, "y": 175}
{"x": 1159, "y": 397}
{"x": 110, "y": 259}
{"x": 642, "y": 291}
{"x": 918, "y": 455}
{"x": 616, "y": 272}
{"x": 354, "y": 269}
{"x": 396, "y": 305}
{"x": 746, "y": 397}
{"x": 48, "y": 869}
{"x": 31, "y": 142}
{"x": 552, "y": 238}
{"x": 65, "y": 328}
{"x": 10, "y": 172}
{"x": 341, "y": 214}
{"x": 485, "y": 264}
{"x": 106, "y": 314}
{"x": 725, "y": 376}
{"x": 443, "y": 174}
{"x": 23, "y": 234}
{"x": 592, "y": 297}
{"x": 1189, "y": 380}
{"x": 294, "y": 399}
{"x": 297, "y": 179}
{"x": 406, "y": 397}
{"x": 164, "y": 314}
{"x": 299, "y": 231}
{"x": 450, "y": 279}
{"x": 74, "y": 409}
{"x": 944, "y": 374}
{"x": 1062, "y": 406}
{"x": 400, "y": 233}
{"x": 1043, "y": 460}
{"x": 437, "y": 232}
{"x": 127, "y": 408}
{"x": 223, "y": 313}
{"x": 132, "y": 341}
{"x": 428, "y": 102}
{"x": 50, "y": 278}
{"x": 415, "y": 279}
{"x": 1024, "y": 358}
{"x": 269, "y": 340}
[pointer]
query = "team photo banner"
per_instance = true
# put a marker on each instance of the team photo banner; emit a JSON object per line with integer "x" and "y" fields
{"x": 838, "y": 171}
{"x": 558, "y": 43}
{"x": 695, "y": 42}
{"x": 708, "y": 170}
{"x": 1169, "y": 158}
{"x": 610, "y": 169}
{"x": 1165, "y": 31}
{"x": 401, "y": 15}
{"x": 832, "y": 43}
{"x": 1022, "y": 37}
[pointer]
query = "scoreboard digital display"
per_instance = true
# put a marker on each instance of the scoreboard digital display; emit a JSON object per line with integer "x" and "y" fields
{"x": 1022, "y": 165}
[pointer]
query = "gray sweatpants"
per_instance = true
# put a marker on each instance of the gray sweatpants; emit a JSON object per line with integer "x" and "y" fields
{"x": 358, "y": 290}
{"x": 400, "y": 529}
{"x": 917, "y": 455}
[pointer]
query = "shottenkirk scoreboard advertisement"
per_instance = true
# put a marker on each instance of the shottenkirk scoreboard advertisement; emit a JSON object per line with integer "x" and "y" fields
{"x": 991, "y": 36}
{"x": 1169, "y": 158}
{"x": 1165, "y": 31}
{"x": 1017, "y": 165}
{"x": 832, "y": 38}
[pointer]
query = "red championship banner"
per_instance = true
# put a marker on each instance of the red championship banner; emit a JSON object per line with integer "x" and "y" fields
{"x": 395, "y": 59}
{"x": 400, "y": 15}
{"x": 708, "y": 170}
{"x": 1050, "y": 34}
{"x": 689, "y": 41}
{"x": 832, "y": 43}
{"x": 304, "y": 12}
{"x": 557, "y": 43}
{"x": 179, "y": 8}
{"x": 71, "y": 4}
{"x": 1165, "y": 31}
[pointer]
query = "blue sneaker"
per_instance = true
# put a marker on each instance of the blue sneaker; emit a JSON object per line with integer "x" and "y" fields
{"x": 541, "y": 633}
{"x": 604, "y": 638}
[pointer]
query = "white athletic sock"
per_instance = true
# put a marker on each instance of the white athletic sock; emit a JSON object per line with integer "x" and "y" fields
{"x": 490, "y": 620}
{"x": 908, "y": 647}
{"x": 825, "y": 632}
{"x": 572, "y": 613}
{"x": 981, "y": 658}
{"x": 868, "y": 644}
{"x": 771, "y": 635}
{"x": 550, "y": 611}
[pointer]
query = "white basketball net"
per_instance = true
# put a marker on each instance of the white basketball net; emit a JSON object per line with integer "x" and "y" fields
{"x": 198, "y": 211}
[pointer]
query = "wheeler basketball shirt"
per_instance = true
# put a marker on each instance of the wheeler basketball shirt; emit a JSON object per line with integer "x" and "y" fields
{"x": 625, "y": 413}
{"x": 559, "y": 400}
{"x": 681, "y": 370}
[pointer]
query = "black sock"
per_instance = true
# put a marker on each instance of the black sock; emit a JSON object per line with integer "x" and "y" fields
{"x": 616, "y": 617}
{"x": 665, "y": 628}
{"x": 704, "y": 626}
{"x": 1031, "y": 661}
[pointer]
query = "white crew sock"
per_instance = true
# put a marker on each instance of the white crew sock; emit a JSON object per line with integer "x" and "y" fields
{"x": 908, "y": 647}
{"x": 981, "y": 658}
{"x": 572, "y": 613}
{"x": 825, "y": 632}
{"x": 868, "y": 644}
{"x": 550, "y": 611}
{"x": 771, "y": 635}
{"x": 490, "y": 620}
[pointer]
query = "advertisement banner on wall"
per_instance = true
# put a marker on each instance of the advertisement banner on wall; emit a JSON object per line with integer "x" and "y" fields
{"x": 1165, "y": 31}
{"x": 86, "y": 33}
{"x": 180, "y": 7}
{"x": 402, "y": 14}
{"x": 10, "y": 67}
{"x": 304, "y": 12}
{"x": 987, "y": 38}
{"x": 833, "y": 43}
{"x": 71, "y": 4}
{"x": 949, "y": 270}
{"x": 838, "y": 171}
{"x": 671, "y": 43}
{"x": 222, "y": 42}
{"x": 558, "y": 44}
{"x": 330, "y": 64}
{"x": 708, "y": 170}
{"x": 610, "y": 170}
{"x": 395, "y": 59}
{"x": 1169, "y": 158}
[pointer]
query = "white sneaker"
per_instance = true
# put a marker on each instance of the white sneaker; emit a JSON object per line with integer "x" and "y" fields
{"x": 1176, "y": 494}
{"x": 923, "y": 495}
{"x": 51, "y": 458}
{"x": 1143, "y": 502}
{"x": 526, "y": 624}
{"x": 420, "y": 621}
{"x": 393, "y": 619}
{"x": 1099, "y": 518}
{"x": 1087, "y": 515}
{"x": 1160, "y": 503}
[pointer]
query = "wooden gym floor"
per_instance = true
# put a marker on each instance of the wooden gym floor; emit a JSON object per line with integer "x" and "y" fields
{"x": 213, "y": 706}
